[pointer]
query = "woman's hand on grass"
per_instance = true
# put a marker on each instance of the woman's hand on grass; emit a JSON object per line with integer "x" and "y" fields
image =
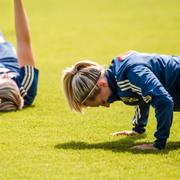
{"x": 126, "y": 133}
{"x": 144, "y": 147}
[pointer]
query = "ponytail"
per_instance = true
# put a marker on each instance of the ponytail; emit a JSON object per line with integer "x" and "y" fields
{"x": 79, "y": 83}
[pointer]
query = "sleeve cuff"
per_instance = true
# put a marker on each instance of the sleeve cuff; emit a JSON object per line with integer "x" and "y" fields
{"x": 160, "y": 143}
{"x": 139, "y": 130}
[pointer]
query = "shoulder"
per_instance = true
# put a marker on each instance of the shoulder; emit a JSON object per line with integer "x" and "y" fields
{"x": 125, "y": 55}
{"x": 28, "y": 71}
{"x": 27, "y": 82}
{"x": 128, "y": 58}
{"x": 123, "y": 62}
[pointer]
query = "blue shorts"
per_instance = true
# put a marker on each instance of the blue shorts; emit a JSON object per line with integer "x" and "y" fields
{"x": 8, "y": 57}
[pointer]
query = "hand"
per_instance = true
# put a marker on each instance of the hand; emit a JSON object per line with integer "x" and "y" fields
{"x": 127, "y": 133}
{"x": 144, "y": 147}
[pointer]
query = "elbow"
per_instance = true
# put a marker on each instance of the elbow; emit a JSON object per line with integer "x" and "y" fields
{"x": 164, "y": 102}
{"x": 24, "y": 43}
{"x": 169, "y": 103}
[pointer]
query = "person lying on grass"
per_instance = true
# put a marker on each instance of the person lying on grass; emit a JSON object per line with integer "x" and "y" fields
{"x": 137, "y": 79}
{"x": 18, "y": 75}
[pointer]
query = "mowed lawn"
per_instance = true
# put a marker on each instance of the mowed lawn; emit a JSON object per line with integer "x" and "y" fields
{"x": 47, "y": 141}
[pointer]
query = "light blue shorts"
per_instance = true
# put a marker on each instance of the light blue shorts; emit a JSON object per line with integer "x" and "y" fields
{"x": 6, "y": 48}
{"x": 8, "y": 57}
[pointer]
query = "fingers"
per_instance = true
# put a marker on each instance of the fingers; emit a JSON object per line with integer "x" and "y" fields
{"x": 118, "y": 133}
{"x": 126, "y": 133}
{"x": 144, "y": 147}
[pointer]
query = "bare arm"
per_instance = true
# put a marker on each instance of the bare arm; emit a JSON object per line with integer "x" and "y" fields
{"x": 24, "y": 49}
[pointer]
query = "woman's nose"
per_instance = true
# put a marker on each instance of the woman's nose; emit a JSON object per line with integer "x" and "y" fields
{"x": 106, "y": 105}
{"x": 5, "y": 76}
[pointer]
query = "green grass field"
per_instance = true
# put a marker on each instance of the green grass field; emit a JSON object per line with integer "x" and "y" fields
{"x": 47, "y": 141}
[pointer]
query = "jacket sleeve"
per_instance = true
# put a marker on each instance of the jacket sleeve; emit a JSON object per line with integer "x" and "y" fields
{"x": 143, "y": 82}
{"x": 27, "y": 82}
{"x": 140, "y": 118}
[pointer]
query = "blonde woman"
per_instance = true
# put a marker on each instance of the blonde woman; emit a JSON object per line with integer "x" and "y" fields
{"x": 137, "y": 79}
{"x": 18, "y": 75}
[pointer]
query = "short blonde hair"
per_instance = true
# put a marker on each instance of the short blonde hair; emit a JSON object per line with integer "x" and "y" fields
{"x": 10, "y": 98}
{"x": 80, "y": 83}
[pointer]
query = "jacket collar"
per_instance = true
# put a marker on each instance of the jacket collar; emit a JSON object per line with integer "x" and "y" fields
{"x": 113, "y": 86}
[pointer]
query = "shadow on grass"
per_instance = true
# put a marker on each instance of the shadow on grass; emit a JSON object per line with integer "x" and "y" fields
{"x": 8, "y": 112}
{"x": 122, "y": 145}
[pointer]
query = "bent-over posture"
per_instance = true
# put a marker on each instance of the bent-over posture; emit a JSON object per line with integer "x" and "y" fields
{"x": 137, "y": 79}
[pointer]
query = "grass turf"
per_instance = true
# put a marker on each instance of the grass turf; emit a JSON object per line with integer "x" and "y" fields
{"x": 46, "y": 141}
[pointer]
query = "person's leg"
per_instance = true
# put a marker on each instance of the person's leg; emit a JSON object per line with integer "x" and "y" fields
{"x": 8, "y": 57}
{"x": 1, "y": 37}
{"x": 176, "y": 95}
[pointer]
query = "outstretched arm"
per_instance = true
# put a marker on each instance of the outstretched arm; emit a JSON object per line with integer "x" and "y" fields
{"x": 140, "y": 118}
{"x": 152, "y": 91}
{"x": 139, "y": 122}
{"x": 24, "y": 49}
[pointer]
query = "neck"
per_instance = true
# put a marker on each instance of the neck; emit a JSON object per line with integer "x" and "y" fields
{"x": 108, "y": 89}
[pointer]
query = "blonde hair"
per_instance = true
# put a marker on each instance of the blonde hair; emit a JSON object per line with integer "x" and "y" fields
{"x": 10, "y": 98}
{"x": 80, "y": 83}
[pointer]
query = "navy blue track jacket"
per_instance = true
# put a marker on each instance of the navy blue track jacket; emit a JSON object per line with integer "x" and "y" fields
{"x": 142, "y": 80}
